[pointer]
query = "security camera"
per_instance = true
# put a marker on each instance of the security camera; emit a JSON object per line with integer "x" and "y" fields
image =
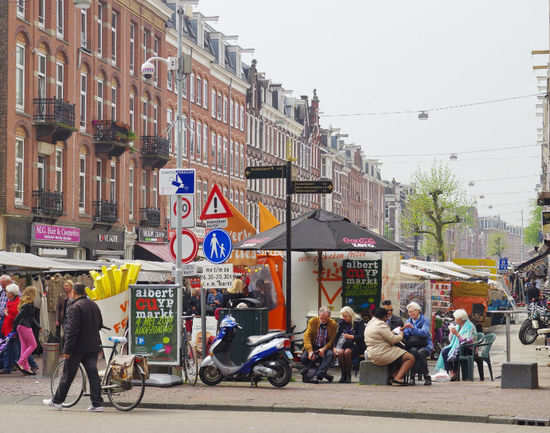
{"x": 148, "y": 70}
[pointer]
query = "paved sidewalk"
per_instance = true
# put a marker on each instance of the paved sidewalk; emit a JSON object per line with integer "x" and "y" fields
{"x": 476, "y": 401}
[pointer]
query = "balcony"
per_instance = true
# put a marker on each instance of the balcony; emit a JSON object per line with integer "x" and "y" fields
{"x": 47, "y": 204}
{"x": 150, "y": 217}
{"x": 105, "y": 212}
{"x": 53, "y": 119}
{"x": 155, "y": 151}
{"x": 111, "y": 138}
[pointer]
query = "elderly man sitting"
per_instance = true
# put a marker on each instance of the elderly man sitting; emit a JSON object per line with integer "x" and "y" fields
{"x": 318, "y": 343}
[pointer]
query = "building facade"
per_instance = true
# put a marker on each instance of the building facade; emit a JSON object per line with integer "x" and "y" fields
{"x": 395, "y": 203}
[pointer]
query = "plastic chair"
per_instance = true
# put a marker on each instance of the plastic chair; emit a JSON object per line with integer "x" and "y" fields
{"x": 466, "y": 358}
{"x": 483, "y": 353}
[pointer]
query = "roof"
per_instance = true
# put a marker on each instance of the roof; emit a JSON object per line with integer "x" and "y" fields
{"x": 436, "y": 267}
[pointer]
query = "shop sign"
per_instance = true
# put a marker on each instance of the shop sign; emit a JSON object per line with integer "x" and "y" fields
{"x": 42, "y": 233}
{"x": 362, "y": 284}
{"x": 153, "y": 236}
{"x": 53, "y": 252}
{"x": 110, "y": 241}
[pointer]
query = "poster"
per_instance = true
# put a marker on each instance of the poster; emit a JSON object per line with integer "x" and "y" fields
{"x": 154, "y": 313}
{"x": 362, "y": 284}
{"x": 411, "y": 292}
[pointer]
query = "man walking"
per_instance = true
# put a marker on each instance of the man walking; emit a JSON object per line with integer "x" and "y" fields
{"x": 82, "y": 344}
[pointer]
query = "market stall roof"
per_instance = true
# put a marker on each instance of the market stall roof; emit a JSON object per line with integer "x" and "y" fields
{"x": 534, "y": 261}
{"x": 162, "y": 251}
{"x": 407, "y": 272}
{"x": 464, "y": 270}
{"x": 436, "y": 267}
{"x": 30, "y": 261}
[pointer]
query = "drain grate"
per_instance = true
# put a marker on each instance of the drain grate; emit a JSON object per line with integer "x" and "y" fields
{"x": 537, "y": 422}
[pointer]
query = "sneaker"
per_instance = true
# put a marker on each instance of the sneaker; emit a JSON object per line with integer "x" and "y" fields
{"x": 96, "y": 409}
{"x": 49, "y": 402}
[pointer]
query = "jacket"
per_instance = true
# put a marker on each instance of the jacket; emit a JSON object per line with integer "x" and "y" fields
{"x": 26, "y": 317}
{"x": 311, "y": 334}
{"x": 395, "y": 322}
{"x": 421, "y": 328}
{"x": 9, "y": 318}
{"x": 380, "y": 340}
{"x": 358, "y": 333}
{"x": 82, "y": 326}
{"x": 61, "y": 309}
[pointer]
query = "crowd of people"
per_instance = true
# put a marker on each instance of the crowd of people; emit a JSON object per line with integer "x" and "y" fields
{"x": 385, "y": 340}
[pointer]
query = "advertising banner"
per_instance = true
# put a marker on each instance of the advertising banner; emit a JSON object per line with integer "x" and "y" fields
{"x": 362, "y": 284}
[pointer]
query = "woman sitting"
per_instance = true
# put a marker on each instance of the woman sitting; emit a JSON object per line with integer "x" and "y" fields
{"x": 381, "y": 347}
{"x": 461, "y": 333}
{"x": 418, "y": 340}
{"x": 349, "y": 341}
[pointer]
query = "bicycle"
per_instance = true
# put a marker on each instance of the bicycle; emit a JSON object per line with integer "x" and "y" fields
{"x": 189, "y": 362}
{"x": 119, "y": 392}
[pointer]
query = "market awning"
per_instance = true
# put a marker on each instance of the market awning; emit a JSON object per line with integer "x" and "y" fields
{"x": 162, "y": 251}
{"x": 435, "y": 267}
{"x": 30, "y": 261}
{"x": 407, "y": 271}
{"x": 534, "y": 262}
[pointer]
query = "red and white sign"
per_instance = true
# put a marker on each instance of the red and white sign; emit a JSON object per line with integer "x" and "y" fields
{"x": 189, "y": 246}
{"x": 216, "y": 206}
{"x": 187, "y": 210}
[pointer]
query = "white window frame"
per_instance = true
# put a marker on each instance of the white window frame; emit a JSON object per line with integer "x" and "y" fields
{"x": 42, "y": 13}
{"x": 60, "y": 18}
{"x": 59, "y": 169}
{"x": 131, "y": 192}
{"x": 192, "y": 87}
{"x": 84, "y": 28}
{"x": 114, "y": 97}
{"x": 132, "y": 47}
{"x": 170, "y": 80}
{"x": 19, "y": 184}
{"x": 112, "y": 183}
{"x": 242, "y": 117}
{"x": 83, "y": 99}
{"x": 155, "y": 120}
{"x": 224, "y": 155}
{"x": 144, "y": 44}
{"x": 231, "y": 116}
{"x": 199, "y": 91}
{"x": 213, "y": 152}
{"x": 41, "y": 75}
{"x": 198, "y": 147}
{"x": 59, "y": 80}
{"x": 20, "y": 77}
{"x": 144, "y": 182}
{"x": 82, "y": 183}
{"x": 132, "y": 111}
{"x": 99, "y": 21}
{"x": 156, "y": 48}
{"x": 21, "y": 9}
{"x": 144, "y": 119}
{"x": 99, "y": 98}
{"x": 154, "y": 190}
{"x": 99, "y": 179}
{"x": 224, "y": 109}
{"x": 219, "y": 157}
{"x": 205, "y": 143}
{"x": 213, "y": 104}
{"x": 219, "y": 105}
{"x": 192, "y": 139}
{"x": 205, "y": 93}
{"x": 170, "y": 124}
{"x": 114, "y": 36}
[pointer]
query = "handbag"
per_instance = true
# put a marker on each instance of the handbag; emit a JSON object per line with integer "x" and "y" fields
{"x": 416, "y": 341}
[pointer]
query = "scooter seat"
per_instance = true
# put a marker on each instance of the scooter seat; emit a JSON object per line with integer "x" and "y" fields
{"x": 255, "y": 340}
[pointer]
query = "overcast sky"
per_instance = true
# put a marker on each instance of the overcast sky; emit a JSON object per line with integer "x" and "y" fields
{"x": 380, "y": 55}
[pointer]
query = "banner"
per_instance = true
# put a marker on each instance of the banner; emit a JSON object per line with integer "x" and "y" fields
{"x": 153, "y": 323}
{"x": 362, "y": 284}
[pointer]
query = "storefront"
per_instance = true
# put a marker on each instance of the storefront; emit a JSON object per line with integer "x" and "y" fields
{"x": 152, "y": 245}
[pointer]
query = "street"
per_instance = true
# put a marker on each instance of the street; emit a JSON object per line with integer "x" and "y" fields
{"x": 27, "y": 419}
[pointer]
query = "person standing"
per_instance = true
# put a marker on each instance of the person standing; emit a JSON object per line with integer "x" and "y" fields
{"x": 12, "y": 308}
{"x": 82, "y": 345}
{"x": 61, "y": 310}
{"x": 5, "y": 281}
{"x": 23, "y": 324}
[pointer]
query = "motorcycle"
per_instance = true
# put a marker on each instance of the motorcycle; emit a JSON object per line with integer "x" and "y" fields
{"x": 269, "y": 357}
{"x": 537, "y": 323}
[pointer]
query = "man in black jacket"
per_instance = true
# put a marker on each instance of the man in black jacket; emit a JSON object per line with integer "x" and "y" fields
{"x": 392, "y": 320}
{"x": 82, "y": 345}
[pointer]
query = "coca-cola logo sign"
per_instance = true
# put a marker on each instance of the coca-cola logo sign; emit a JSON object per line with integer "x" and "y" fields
{"x": 360, "y": 242}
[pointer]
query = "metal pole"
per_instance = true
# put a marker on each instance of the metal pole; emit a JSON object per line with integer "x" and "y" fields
{"x": 522, "y": 245}
{"x": 230, "y": 158}
{"x": 189, "y": 116}
{"x": 508, "y": 354}
{"x": 288, "y": 240}
{"x": 203, "y": 321}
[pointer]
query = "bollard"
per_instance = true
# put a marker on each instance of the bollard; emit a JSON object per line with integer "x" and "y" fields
{"x": 50, "y": 358}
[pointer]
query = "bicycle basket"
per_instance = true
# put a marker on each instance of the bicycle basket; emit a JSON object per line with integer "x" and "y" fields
{"x": 122, "y": 368}
{"x": 144, "y": 364}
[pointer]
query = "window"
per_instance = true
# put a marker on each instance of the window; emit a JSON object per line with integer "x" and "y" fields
{"x": 41, "y": 13}
{"x": 99, "y": 20}
{"x": 192, "y": 87}
{"x": 98, "y": 180}
{"x": 21, "y": 8}
{"x": 83, "y": 99}
{"x": 20, "y": 76}
{"x": 231, "y": 117}
{"x": 112, "y": 183}
{"x": 144, "y": 114}
{"x": 185, "y": 126}
{"x": 19, "y": 169}
{"x": 131, "y": 193}
{"x": 132, "y": 110}
{"x": 145, "y": 45}
{"x": 220, "y": 153}
{"x": 171, "y": 127}
{"x": 156, "y": 48}
{"x": 199, "y": 141}
{"x": 155, "y": 120}
{"x": 59, "y": 170}
{"x": 114, "y": 41}
{"x": 219, "y": 106}
{"x": 205, "y": 144}
{"x": 213, "y": 104}
{"x": 241, "y": 117}
{"x": 144, "y": 188}
{"x": 205, "y": 94}
{"x": 231, "y": 155}
{"x": 242, "y": 160}
{"x": 192, "y": 139}
{"x": 132, "y": 48}
{"x": 224, "y": 155}
{"x": 170, "y": 80}
{"x": 199, "y": 91}
{"x": 155, "y": 190}
{"x": 84, "y": 28}
{"x": 41, "y": 75}
{"x": 82, "y": 179}
{"x": 60, "y": 17}
{"x": 99, "y": 100}
{"x": 185, "y": 87}
{"x": 114, "y": 96}
{"x": 41, "y": 166}
{"x": 224, "y": 109}
{"x": 213, "y": 151}
{"x": 59, "y": 79}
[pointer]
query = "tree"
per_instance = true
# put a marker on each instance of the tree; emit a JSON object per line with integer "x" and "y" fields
{"x": 438, "y": 202}
{"x": 532, "y": 233}
{"x": 496, "y": 244}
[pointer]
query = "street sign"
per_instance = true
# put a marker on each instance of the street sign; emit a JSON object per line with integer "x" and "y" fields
{"x": 187, "y": 210}
{"x": 219, "y": 223}
{"x": 189, "y": 270}
{"x": 217, "y": 276}
{"x": 176, "y": 181}
{"x": 503, "y": 264}
{"x": 217, "y": 246}
{"x": 266, "y": 172}
{"x": 189, "y": 246}
{"x": 216, "y": 206}
{"x": 312, "y": 187}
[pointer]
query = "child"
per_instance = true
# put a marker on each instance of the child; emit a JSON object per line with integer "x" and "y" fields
{"x": 23, "y": 324}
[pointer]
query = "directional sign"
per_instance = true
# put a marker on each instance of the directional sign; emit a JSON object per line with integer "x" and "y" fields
{"x": 312, "y": 187}
{"x": 216, "y": 206}
{"x": 217, "y": 246}
{"x": 189, "y": 246}
{"x": 265, "y": 172}
{"x": 503, "y": 264}
{"x": 176, "y": 181}
{"x": 187, "y": 210}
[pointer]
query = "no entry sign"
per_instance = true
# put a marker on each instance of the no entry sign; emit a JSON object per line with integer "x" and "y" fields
{"x": 189, "y": 246}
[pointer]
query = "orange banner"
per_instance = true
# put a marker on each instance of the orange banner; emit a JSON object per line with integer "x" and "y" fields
{"x": 240, "y": 229}
{"x": 267, "y": 219}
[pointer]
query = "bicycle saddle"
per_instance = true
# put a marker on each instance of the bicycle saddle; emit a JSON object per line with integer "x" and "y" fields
{"x": 121, "y": 340}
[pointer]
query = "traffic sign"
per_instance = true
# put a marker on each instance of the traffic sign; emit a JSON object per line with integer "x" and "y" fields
{"x": 187, "y": 210}
{"x": 220, "y": 223}
{"x": 217, "y": 246}
{"x": 176, "y": 181}
{"x": 217, "y": 276}
{"x": 265, "y": 172}
{"x": 189, "y": 246}
{"x": 503, "y": 264}
{"x": 312, "y": 187}
{"x": 216, "y": 206}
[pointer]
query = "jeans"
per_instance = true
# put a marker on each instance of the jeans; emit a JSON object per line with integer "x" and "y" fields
{"x": 421, "y": 363}
{"x": 89, "y": 360}
{"x": 325, "y": 363}
{"x": 28, "y": 344}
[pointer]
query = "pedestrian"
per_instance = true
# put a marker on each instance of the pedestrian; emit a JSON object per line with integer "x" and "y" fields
{"x": 23, "y": 324}
{"x": 11, "y": 351}
{"x": 5, "y": 281}
{"x": 61, "y": 310}
{"x": 82, "y": 345}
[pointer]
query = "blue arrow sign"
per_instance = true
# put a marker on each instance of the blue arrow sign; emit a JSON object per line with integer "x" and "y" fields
{"x": 217, "y": 246}
{"x": 177, "y": 181}
{"x": 185, "y": 183}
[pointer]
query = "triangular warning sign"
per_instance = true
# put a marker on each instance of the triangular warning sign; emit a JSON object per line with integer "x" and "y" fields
{"x": 216, "y": 206}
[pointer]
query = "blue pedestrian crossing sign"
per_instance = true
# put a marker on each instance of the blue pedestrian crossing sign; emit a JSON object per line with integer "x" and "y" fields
{"x": 176, "y": 181}
{"x": 503, "y": 264}
{"x": 217, "y": 246}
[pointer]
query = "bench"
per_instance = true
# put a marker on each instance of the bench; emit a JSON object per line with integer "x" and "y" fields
{"x": 371, "y": 374}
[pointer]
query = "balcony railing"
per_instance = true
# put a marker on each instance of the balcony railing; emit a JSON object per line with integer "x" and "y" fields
{"x": 155, "y": 151}
{"x": 47, "y": 204}
{"x": 150, "y": 217}
{"x": 111, "y": 138}
{"x": 105, "y": 211}
{"x": 53, "y": 118}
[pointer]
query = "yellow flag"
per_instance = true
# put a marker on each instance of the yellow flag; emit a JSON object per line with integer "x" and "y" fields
{"x": 239, "y": 228}
{"x": 267, "y": 220}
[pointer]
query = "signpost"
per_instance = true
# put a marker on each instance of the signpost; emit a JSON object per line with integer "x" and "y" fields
{"x": 266, "y": 172}
{"x": 312, "y": 187}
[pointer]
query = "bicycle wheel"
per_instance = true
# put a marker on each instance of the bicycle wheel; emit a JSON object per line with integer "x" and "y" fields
{"x": 190, "y": 365}
{"x": 125, "y": 395}
{"x": 76, "y": 389}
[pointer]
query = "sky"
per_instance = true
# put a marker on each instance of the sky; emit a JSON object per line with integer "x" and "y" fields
{"x": 373, "y": 56}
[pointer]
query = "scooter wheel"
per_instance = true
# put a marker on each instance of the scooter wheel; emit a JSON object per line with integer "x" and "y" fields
{"x": 527, "y": 334}
{"x": 210, "y": 375}
{"x": 284, "y": 374}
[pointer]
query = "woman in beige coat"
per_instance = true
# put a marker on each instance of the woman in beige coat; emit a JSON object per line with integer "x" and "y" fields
{"x": 381, "y": 346}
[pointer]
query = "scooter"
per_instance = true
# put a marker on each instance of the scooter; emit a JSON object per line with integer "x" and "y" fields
{"x": 269, "y": 357}
{"x": 537, "y": 323}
